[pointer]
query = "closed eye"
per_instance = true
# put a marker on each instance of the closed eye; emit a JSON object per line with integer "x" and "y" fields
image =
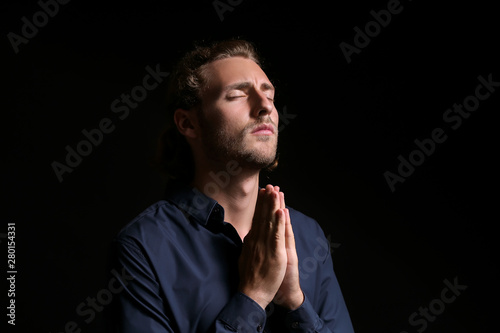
{"x": 234, "y": 97}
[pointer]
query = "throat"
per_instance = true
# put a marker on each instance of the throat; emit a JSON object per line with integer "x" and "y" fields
{"x": 241, "y": 226}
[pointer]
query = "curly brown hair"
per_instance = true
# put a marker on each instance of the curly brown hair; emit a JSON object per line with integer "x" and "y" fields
{"x": 174, "y": 157}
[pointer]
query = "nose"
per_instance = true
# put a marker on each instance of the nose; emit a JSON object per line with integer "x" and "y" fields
{"x": 262, "y": 105}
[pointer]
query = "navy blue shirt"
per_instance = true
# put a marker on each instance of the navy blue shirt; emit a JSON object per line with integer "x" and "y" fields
{"x": 181, "y": 260}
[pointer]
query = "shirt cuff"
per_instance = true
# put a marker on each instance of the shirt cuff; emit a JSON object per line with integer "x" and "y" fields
{"x": 303, "y": 319}
{"x": 243, "y": 314}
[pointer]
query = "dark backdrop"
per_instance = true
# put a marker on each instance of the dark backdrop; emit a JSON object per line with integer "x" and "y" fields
{"x": 344, "y": 124}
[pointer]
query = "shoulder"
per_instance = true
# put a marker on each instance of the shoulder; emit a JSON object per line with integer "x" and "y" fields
{"x": 303, "y": 222}
{"x": 153, "y": 222}
{"x": 310, "y": 240}
{"x": 307, "y": 231}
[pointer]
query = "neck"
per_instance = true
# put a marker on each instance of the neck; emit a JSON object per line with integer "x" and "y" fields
{"x": 234, "y": 188}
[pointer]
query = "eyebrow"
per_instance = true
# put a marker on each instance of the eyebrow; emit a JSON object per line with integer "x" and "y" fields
{"x": 247, "y": 84}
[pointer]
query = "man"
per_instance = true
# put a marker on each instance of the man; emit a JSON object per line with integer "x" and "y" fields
{"x": 220, "y": 254}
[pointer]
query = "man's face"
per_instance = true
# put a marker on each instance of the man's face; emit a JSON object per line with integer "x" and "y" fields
{"x": 238, "y": 119}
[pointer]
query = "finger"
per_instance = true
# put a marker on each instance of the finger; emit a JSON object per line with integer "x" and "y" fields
{"x": 274, "y": 204}
{"x": 267, "y": 205}
{"x": 260, "y": 201}
{"x": 280, "y": 196}
{"x": 273, "y": 219}
{"x": 262, "y": 219}
{"x": 289, "y": 236}
{"x": 259, "y": 213}
{"x": 264, "y": 216}
{"x": 280, "y": 228}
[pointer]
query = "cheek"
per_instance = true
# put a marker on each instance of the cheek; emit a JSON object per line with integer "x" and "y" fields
{"x": 230, "y": 125}
{"x": 217, "y": 117}
{"x": 234, "y": 119}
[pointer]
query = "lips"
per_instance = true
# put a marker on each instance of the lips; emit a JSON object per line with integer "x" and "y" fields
{"x": 264, "y": 129}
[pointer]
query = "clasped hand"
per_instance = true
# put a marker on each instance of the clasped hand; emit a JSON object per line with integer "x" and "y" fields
{"x": 268, "y": 264}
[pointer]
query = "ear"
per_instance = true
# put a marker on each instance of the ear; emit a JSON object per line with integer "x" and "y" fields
{"x": 186, "y": 123}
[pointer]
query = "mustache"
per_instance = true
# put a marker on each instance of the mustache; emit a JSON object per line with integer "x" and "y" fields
{"x": 261, "y": 121}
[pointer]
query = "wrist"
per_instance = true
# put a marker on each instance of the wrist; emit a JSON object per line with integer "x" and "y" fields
{"x": 257, "y": 297}
{"x": 292, "y": 301}
{"x": 295, "y": 301}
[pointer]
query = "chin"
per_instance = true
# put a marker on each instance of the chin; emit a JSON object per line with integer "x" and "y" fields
{"x": 258, "y": 160}
{"x": 258, "y": 155}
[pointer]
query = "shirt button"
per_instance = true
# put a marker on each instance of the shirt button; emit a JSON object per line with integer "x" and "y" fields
{"x": 295, "y": 325}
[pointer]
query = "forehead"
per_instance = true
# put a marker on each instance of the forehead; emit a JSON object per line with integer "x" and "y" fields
{"x": 224, "y": 72}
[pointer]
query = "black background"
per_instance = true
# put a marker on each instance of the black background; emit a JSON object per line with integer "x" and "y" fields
{"x": 393, "y": 249}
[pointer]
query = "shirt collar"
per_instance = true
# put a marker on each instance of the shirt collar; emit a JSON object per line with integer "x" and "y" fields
{"x": 193, "y": 202}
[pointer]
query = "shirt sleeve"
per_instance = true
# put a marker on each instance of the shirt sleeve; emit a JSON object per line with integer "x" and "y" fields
{"x": 138, "y": 308}
{"x": 241, "y": 314}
